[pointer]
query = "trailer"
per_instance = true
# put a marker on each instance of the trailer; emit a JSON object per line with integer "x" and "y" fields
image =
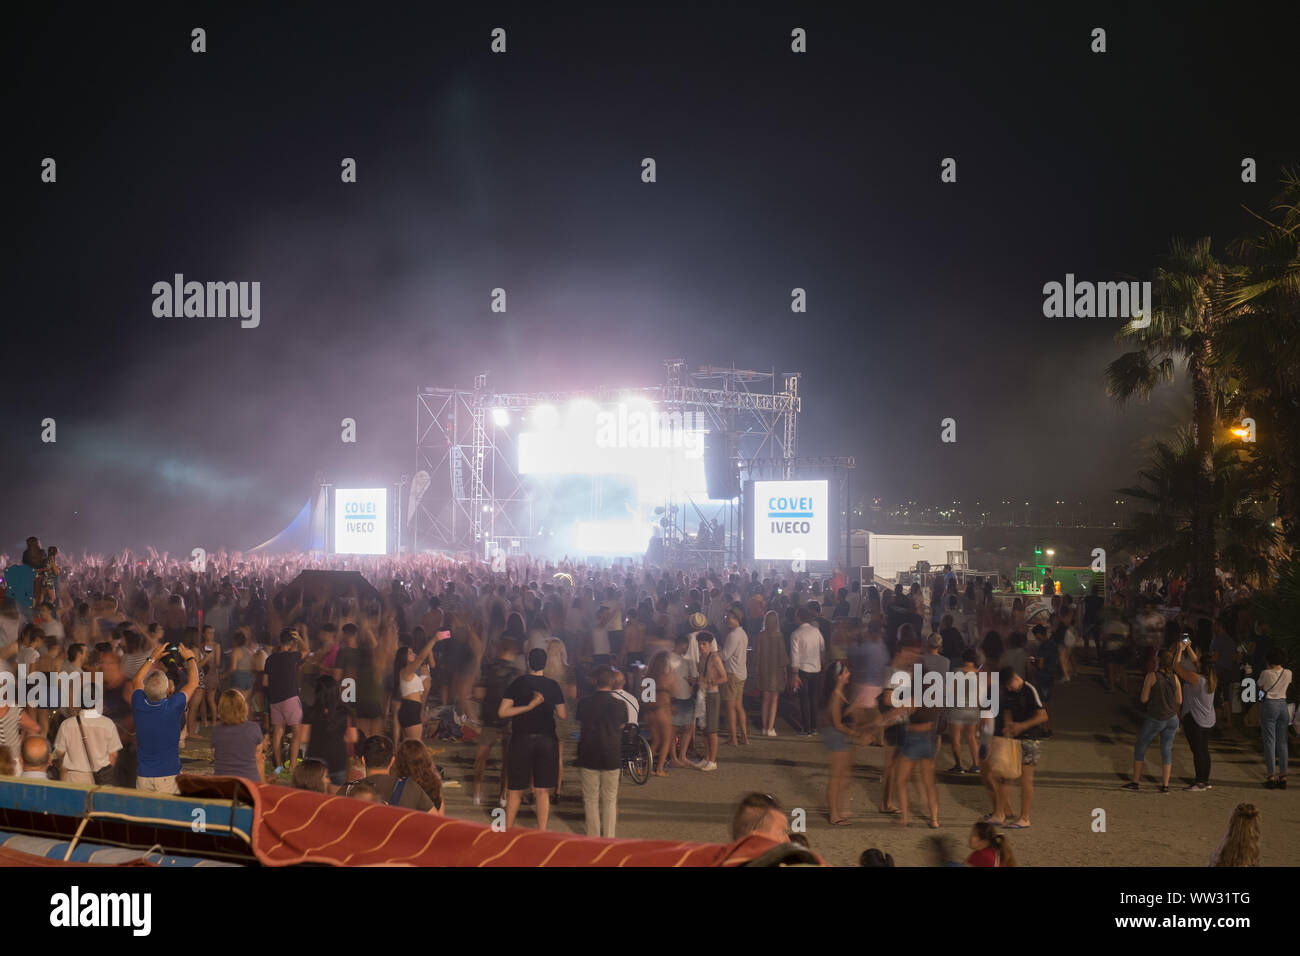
{"x": 890, "y": 555}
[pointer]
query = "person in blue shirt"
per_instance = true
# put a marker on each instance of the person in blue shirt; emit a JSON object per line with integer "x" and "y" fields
{"x": 159, "y": 718}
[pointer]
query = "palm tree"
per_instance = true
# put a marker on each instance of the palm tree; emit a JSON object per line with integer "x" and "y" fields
{"x": 1166, "y": 533}
{"x": 1258, "y": 348}
{"x": 1188, "y": 309}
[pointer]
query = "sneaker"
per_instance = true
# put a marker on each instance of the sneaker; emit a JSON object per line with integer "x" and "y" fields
{"x": 1164, "y": 788}
{"x": 279, "y": 770}
{"x": 1198, "y": 787}
{"x": 1130, "y": 786}
{"x": 770, "y": 733}
{"x": 974, "y": 770}
{"x": 709, "y": 766}
{"x": 956, "y": 768}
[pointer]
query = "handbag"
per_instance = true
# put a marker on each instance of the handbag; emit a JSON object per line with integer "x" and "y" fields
{"x": 104, "y": 775}
{"x": 1004, "y": 758}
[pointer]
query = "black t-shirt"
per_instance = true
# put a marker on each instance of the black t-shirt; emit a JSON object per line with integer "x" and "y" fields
{"x": 1092, "y": 606}
{"x": 541, "y": 719}
{"x": 1021, "y": 704}
{"x": 498, "y": 675}
{"x": 328, "y": 732}
{"x": 601, "y": 745}
{"x": 346, "y": 660}
{"x": 413, "y": 795}
{"x": 282, "y": 676}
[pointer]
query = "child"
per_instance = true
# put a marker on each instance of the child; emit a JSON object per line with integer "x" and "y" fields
{"x": 989, "y": 848}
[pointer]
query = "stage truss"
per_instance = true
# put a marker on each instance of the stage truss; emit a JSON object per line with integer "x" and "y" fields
{"x": 477, "y": 502}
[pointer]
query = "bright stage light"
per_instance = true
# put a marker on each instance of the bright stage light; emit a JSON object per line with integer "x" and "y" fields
{"x": 500, "y": 417}
{"x": 545, "y": 416}
{"x": 613, "y": 537}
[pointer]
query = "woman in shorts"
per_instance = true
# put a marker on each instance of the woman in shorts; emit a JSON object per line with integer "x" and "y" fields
{"x": 658, "y": 712}
{"x": 712, "y": 676}
{"x": 836, "y": 735}
{"x": 411, "y": 686}
{"x": 963, "y": 721}
{"x": 919, "y": 744}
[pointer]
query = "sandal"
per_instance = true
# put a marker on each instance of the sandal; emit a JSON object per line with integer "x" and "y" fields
{"x": 841, "y": 822}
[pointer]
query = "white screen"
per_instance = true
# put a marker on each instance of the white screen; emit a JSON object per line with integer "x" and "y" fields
{"x": 791, "y": 520}
{"x": 361, "y": 521}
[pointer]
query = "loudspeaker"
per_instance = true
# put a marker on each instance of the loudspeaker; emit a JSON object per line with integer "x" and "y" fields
{"x": 720, "y": 473}
{"x": 319, "y": 586}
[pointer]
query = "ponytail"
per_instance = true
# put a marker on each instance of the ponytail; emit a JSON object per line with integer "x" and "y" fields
{"x": 1003, "y": 846}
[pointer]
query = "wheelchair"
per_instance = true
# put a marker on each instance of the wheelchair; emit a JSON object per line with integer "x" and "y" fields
{"x": 638, "y": 760}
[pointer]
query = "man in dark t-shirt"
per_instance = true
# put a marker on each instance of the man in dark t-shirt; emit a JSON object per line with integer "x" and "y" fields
{"x": 600, "y": 753}
{"x": 1020, "y": 714}
{"x": 282, "y": 693}
{"x": 532, "y": 703}
{"x": 498, "y": 674}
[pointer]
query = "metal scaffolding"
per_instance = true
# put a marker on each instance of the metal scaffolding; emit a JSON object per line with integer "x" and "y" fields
{"x": 456, "y": 434}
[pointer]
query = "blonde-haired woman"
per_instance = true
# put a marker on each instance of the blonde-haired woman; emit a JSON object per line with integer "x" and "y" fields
{"x": 238, "y": 744}
{"x": 773, "y": 668}
{"x": 1240, "y": 845}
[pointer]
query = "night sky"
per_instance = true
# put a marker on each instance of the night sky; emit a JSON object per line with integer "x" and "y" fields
{"x": 522, "y": 171}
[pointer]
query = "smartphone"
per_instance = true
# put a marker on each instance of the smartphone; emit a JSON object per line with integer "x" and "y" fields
{"x": 442, "y": 635}
{"x": 1187, "y": 640}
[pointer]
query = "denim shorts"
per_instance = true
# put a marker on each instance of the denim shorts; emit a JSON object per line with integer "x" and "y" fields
{"x": 835, "y": 740}
{"x": 917, "y": 745}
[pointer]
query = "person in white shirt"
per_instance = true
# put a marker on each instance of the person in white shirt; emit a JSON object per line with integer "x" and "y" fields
{"x": 855, "y": 600}
{"x": 86, "y": 742}
{"x": 735, "y": 653}
{"x": 807, "y": 649}
{"x": 620, "y": 691}
{"x": 686, "y": 676}
{"x": 47, "y": 622}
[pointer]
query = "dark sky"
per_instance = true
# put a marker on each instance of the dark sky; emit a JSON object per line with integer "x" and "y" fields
{"x": 522, "y": 171}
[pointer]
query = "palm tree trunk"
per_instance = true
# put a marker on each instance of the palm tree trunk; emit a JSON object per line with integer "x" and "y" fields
{"x": 1201, "y": 586}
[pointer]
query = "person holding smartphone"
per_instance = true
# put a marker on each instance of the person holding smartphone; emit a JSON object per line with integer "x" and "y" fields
{"x": 1200, "y": 682}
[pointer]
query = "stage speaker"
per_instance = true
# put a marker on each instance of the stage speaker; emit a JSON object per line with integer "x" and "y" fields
{"x": 316, "y": 587}
{"x": 720, "y": 473}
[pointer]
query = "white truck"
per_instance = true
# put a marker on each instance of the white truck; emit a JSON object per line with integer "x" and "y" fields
{"x": 892, "y": 554}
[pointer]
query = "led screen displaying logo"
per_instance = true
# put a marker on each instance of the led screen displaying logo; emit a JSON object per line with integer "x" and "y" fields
{"x": 361, "y": 521}
{"x": 791, "y": 520}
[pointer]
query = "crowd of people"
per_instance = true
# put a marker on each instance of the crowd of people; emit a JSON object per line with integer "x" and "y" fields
{"x": 336, "y": 691}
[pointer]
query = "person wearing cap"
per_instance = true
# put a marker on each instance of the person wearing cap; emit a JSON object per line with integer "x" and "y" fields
{"x": 933, "y": 659}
